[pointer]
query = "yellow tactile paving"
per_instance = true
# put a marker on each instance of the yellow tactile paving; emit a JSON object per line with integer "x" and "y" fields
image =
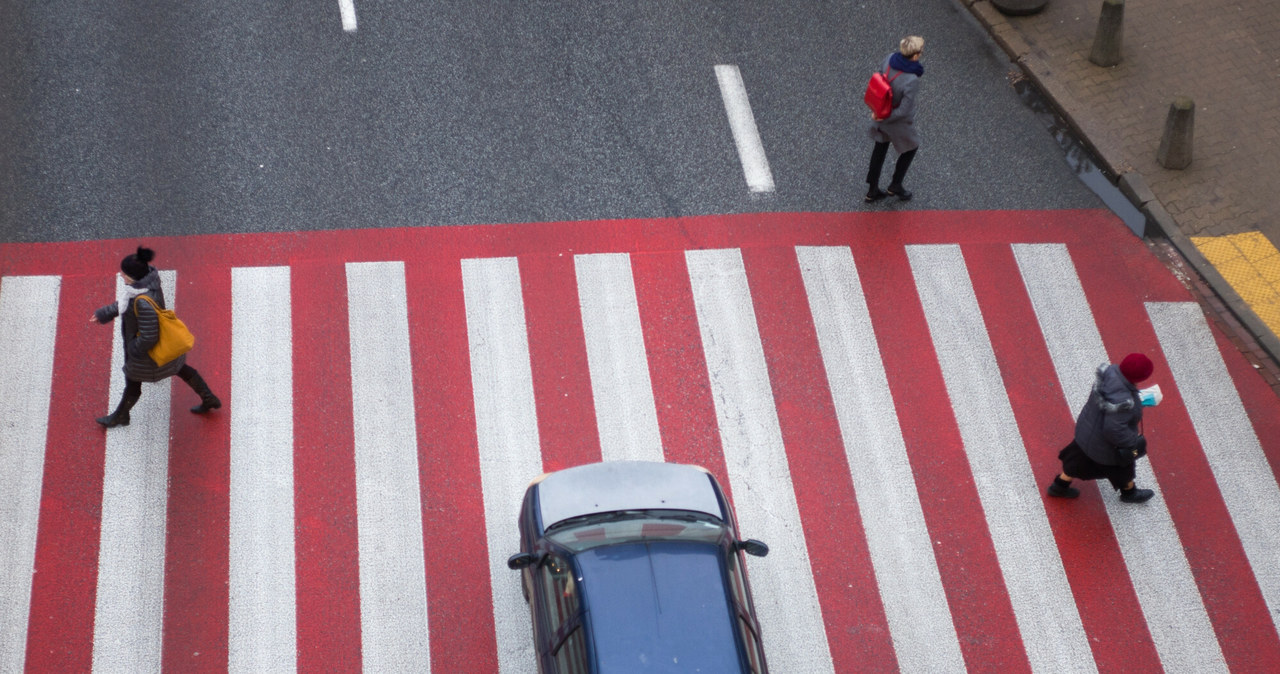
{"x": 1251, "y": 264}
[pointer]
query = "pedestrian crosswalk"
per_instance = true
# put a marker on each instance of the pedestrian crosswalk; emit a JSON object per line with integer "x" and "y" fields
{"x": 884, "y": 404}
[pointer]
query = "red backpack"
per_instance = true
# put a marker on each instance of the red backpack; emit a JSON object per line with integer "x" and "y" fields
{"x": 879, "y": 95}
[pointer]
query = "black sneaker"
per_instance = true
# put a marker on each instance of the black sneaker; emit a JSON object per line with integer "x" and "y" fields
{"x": 901, "y": 192}
{"x": 874, "y": 194}
{"x": 1136, "y": 495}
{"x": 1062, "y": 491}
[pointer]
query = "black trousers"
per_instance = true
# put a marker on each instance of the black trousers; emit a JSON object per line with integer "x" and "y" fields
{"x": 878, "y": 154}
{"x": 133, "y": 389}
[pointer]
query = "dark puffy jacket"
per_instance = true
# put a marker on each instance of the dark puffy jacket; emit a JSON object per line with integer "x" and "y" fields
{"x": 140, "y": 328}
{"x": 1107, "y": 429}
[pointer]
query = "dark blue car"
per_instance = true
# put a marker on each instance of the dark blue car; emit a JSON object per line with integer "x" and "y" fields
{"x": 632, "y": 566}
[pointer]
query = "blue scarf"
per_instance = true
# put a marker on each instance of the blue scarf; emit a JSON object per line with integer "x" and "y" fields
{"x": 906, "y": 65}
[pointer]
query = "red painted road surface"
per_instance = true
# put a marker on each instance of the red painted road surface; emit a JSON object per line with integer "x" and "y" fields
{"x": 1117, "y": 273}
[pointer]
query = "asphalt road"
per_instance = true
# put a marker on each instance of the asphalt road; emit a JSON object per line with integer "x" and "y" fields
{"x": 148, "y": 119}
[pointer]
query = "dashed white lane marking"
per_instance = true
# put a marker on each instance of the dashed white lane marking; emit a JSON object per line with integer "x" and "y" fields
{"x": 507, "y": 435}
{"x": 625, "y": 411}
{"x": 1162, "y": 578}
{"x": 28, "y": 332}
{"x": 129, "y": 614}
{"x": 1050, "y": 625}
{"x": 262, "y": 630}
{"x": 756, "y": 460}
{"x": 348, "y": 10}
{"x": 915, "y": 604}
{"x": 755, "y": 165}
{"x": 393, "y": 590}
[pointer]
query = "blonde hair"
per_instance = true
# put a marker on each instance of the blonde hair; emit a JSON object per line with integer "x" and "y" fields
{"x": 911, "y": 45}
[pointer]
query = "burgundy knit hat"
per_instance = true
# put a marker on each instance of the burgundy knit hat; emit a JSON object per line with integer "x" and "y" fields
{"x": 1136, "y": 367}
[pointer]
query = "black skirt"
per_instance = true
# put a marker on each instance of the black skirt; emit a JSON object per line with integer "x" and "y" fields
{"x": 1077, "y": 464}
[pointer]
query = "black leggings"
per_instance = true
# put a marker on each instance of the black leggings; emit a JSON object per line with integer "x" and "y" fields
{"x": 878, "y": 155}
{"x": 133, "y": 389}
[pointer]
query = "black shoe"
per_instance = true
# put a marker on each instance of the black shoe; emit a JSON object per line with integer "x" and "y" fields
{"x": 874, "y": 194}
{"x": 1062, "y": 489}
{"x": 1136, "y": 495}
{"x": 114, "y": 419}
{"x": 901, "y": 192}
{"x": 209, "y": 402}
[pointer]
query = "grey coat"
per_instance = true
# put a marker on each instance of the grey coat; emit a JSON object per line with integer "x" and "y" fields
{"x": 140, "y": 328}
{"x": 899, "y": 127}
{"x": 1107, "y": 428}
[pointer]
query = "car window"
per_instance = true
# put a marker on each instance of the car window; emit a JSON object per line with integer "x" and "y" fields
{"x": 737, "y": 581}
{"x": 559, "y": 592}
{"x": 572, "y": 656}
{"x": 750, "y": 639}
{"x": 614, "y": 528}
{"x": 754, "y": 657}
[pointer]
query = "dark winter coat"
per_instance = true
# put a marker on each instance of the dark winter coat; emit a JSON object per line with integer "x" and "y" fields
{"x": 140, "y": 327}
{"x": 899, "y": 127}
{"x": 1108, "y": 426}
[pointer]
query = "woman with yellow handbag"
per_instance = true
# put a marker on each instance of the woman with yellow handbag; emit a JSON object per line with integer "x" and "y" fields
{"x": 155, "y": 341}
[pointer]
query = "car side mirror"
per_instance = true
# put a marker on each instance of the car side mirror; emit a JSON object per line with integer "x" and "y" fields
{"x": 520, "y": 560}
{"x": 753, "y": 547}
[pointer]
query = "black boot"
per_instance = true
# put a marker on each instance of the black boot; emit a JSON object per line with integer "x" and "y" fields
{"x": 1135, "y": 495}
{"x": 208, "y": 401}
{"x": 120, "y": 417}
{"x": 1062, "y": 489}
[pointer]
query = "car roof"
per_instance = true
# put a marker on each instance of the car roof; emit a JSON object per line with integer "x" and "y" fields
{"x": 625, "y": 485}
{"x": 659, "y": 606}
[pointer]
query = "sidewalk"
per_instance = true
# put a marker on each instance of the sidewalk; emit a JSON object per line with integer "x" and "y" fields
{"x": 1221, "y": 210}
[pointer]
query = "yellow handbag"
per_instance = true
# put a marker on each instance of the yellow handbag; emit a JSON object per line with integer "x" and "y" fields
{"x": 175, "y": 338}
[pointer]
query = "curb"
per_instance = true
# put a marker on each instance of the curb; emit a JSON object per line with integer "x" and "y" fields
{"x": 1131, "y": 184}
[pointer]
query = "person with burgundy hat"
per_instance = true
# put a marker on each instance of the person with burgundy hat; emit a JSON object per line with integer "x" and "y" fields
{"x": 140, "y": 327}
{"x": 1108, "y": 439}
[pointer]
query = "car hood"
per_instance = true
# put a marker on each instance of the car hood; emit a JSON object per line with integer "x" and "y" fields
{"x": 659, "y": 607}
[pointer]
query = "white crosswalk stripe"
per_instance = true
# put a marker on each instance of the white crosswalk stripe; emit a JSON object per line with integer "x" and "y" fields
{"x": 393, "y": 592}
{"x": 128, "y": 618}
{"x": 620, "y": 385}
{"x": 30, "y": 307}
{"x": 1033, "y": 572}
{"x": 786, "y": 599}
{"x": 1161, "y": 576}
{"x": 262, "y": 634}
{"x": 507, "y": 432}
{"x": 901, "y": 551}
{"x": 1248, "y": 486}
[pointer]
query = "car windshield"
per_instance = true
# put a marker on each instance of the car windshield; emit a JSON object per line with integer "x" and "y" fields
{"x": 626, "y": 526}
{"x": 659, "y": 606}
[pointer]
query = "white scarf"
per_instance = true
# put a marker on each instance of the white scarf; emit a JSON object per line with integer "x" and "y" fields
{"x": 128, "y": 293}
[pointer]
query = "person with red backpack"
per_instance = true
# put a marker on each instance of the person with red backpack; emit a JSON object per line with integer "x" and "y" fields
{"x": 902, "y": 70}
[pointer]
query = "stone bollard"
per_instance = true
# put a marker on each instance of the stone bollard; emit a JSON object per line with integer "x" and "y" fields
{"x": 1019, "y": 7}
{"x": 1179, "y": 130}
{"x": 1107, "y": 41}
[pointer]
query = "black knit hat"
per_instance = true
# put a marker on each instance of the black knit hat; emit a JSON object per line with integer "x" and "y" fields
{"x": 136, "y": 266}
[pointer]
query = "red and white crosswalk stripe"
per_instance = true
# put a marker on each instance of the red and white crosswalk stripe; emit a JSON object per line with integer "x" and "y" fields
{"x": 883, "y": 405}
{"x": 892, "y": 519}
{"x": 1147, "y": 539}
